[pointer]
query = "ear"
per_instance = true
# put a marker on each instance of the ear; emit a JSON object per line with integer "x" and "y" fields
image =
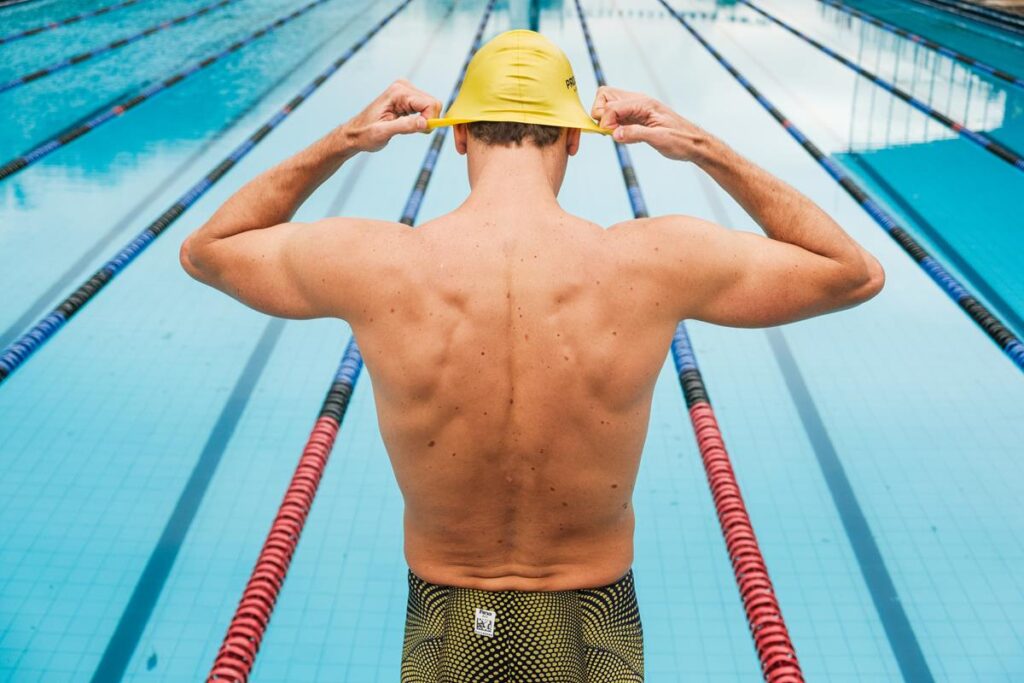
{"x": 461, "y": 137}
{"x": 572, "y": 141}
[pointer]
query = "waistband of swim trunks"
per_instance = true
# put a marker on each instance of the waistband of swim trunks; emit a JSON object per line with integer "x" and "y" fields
{"x": 627, "y": 579}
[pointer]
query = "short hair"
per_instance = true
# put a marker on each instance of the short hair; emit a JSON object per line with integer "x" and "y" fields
{"x": 508, "y": 133}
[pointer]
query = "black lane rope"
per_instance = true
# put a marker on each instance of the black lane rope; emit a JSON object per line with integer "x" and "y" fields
{"x": 990, "y": 145}
{"x": 78, "y": 130}
{"x": 241, "y": 643}
{"x": 74, "y": 271}
{"x": 67, "y": 21}
{"x": 112, "y": 46}
{"x": 779, "y": 663}
{"x": 985, "y": 15}
{"x": 957, "y": 291}
{"x": 943, "y": 50}
{"x": 20, "y": 350}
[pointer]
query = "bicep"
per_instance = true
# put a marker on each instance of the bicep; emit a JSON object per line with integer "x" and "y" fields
{"x": 740, "y": 279}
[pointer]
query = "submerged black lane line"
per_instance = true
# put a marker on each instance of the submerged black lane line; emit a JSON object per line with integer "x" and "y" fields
{"x": 870, "y": 561}
{"x": 78, "y": 268}
{"x": 901, "y": 636}
{"x": 150, "y": 584}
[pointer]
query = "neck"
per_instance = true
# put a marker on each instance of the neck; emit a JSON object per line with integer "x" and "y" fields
{"x": 514, "y": 178}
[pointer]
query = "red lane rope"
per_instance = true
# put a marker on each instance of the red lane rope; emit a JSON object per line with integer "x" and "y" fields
{"x": 774, "y": 647}
{"x": 779, "y": 663}
{"x": 237, "y": 653}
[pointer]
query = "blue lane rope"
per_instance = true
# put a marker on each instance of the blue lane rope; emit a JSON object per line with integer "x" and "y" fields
{"x": 943, "y": 50}
{"x": 971, "y": 305}
{"x": 985, "y": 15}
{"x": 982, "y": 140}
{"x": 86, "y": 258}
{"x": 76, "y": 131}
{"x": 415, "y": 200}
{"x": 21, "y": 349}
{"x": 111, "y": 46}
{"x": 67, "y": 21}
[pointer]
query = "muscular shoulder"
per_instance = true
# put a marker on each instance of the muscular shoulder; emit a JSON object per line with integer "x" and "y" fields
{"x": 672, "y": 226}
{"x": 663, "y": 241}
{"x": 338, "y": 259}
{"x": 349, "y": 232}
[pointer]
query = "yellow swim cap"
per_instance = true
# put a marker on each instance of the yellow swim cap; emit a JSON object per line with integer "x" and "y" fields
{"x": 519, "y": 76}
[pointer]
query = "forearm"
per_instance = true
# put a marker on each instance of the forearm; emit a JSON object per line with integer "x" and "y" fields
{"x": 274, "y": 196}
{"x": 782, "y": 212}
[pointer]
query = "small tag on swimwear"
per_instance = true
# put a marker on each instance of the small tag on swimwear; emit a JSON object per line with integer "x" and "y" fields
{"x": 483, "y": 622}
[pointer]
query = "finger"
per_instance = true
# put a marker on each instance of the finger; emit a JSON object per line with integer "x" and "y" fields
{"x": 434, "y": 110}
{"x": 605, "y": 94}
{"x": 403, "y": 125}
{"x": 624, "y": 112}
{"x": 636, "y": 133}
{"x": 406, "y": 99}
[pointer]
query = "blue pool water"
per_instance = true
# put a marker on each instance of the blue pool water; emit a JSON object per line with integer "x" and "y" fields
{"x": 145, "y": 448}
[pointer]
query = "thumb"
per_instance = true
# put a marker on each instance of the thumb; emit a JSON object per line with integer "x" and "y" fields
{"x": 413, "y": 123}
{"x": 633, "y": 133}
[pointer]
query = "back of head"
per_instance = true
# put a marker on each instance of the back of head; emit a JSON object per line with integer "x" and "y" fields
{"x": 513, "y": 133}
{"x": 519, "y": 87}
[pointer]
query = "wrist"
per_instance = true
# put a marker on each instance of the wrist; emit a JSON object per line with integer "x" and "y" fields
{"x": 703, "y": 148}
{"x": 343, "y": 142}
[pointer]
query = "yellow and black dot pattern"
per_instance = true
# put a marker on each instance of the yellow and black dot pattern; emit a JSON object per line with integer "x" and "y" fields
{"x": 590, "y": 635}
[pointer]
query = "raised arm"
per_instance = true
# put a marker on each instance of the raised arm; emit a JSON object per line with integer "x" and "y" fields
{"x": 807, "y": 265}
{"x": 250, "y": 250}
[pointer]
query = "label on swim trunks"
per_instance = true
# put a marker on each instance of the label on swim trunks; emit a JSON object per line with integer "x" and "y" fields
{"x": 483, "y": 622}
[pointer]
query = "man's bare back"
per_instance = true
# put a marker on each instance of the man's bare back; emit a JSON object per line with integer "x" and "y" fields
{"x": 513, "y": 360}
{"x": 513, "y": 348}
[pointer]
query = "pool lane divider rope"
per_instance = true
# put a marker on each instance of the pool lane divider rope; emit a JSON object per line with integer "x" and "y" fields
{"x": 775, "y": 650}
{"x": 67, "y": 21}
{"x": 109, "y": 113}
{"x": 245, "y": 633}
{"x": 972, "y": 62}
{"x": 978, "y": 312}
{"x": 111, "y": 46}
{"x": 137, "y": 612}
{"x": 12, "y": 357}
{"x": 87, "y": 257}
{"x": 984, "y": 15}
{"x": 982, "y": 140}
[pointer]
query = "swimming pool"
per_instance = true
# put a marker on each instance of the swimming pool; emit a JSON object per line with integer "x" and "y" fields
{"x": 147, "y": 445}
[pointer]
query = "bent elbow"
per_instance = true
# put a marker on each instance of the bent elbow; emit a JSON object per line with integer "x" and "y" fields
{"x": 186, "y": 257}
{"x": 871, "y": 282}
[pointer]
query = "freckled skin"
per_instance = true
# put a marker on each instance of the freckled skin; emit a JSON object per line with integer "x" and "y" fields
{"x": 538, "y": 497}
{"x": 513, "y": 410}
